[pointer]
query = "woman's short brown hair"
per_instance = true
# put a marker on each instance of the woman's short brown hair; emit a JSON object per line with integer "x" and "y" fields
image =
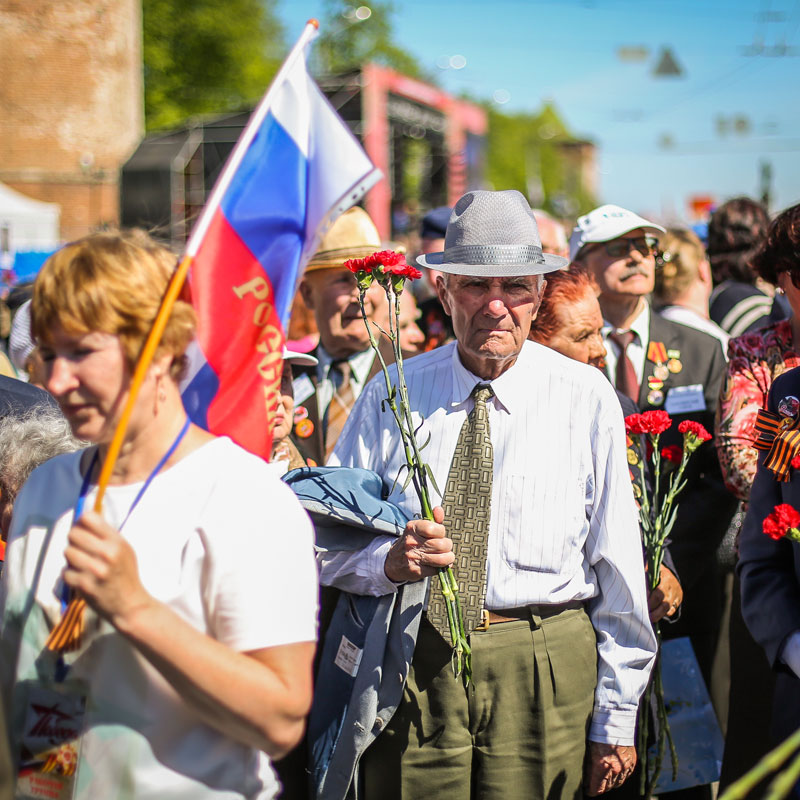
{"x": 112, "y": 282}
{"x": 780, "y": 251}
{"x": 678, "y": 265}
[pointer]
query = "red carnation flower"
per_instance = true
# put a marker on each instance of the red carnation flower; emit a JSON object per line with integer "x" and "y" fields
{"x": 695, "y": 428}
{"x": 358, "y": 265}
{"x": 634, "y": 424}
{"x": 411, "y": 273}
{"x": 656, "y": 422}
{"x": 795, "y": 462}
{"x": 783, "y": 521}
{"x": 389, "y": 258}
{"x": 672, "y": 453}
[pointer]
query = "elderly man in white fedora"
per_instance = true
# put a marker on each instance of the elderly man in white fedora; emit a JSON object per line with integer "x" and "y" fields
{"x": 538, "y": 519}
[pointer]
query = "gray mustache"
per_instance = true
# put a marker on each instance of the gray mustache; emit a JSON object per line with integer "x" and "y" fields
{"x": 631, "y": 271}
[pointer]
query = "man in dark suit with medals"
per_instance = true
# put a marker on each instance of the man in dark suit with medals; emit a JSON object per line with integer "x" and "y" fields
{"x": 664, "y": 365}
{"x": 769, "y": 565}
{"x": 325, "y": 393}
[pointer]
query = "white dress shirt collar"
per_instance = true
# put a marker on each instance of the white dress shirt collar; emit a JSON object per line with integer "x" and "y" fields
{"x": 505, "y": 389}
{"x": 640, "y": 325}
{"x": 360, "y": 364}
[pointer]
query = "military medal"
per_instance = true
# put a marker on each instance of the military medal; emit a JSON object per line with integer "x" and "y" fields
{"x": 632, "y": 457}
{"x": 657, "y": 353}
{"x": 300, "y": 413}
{"x": 674, "y": 365}
{"x": 304, "y": 428}
{"x": 789, "y": 406}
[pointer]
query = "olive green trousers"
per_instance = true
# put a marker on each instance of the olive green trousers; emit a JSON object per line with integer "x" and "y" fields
{"x": 519, "y": 729}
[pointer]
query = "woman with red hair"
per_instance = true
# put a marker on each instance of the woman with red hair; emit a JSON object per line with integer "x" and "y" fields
{"x": 570, "y": 322}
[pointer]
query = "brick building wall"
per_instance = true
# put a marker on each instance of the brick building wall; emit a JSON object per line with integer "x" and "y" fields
{"x": 71, "y": 103}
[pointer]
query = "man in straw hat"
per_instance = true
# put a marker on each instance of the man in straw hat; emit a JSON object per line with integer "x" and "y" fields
{"x": 325, "y": 393}
{"x": 538, "y": 519}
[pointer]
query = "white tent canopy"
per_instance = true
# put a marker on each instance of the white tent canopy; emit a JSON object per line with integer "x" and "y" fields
{"x": 27, "y": 224}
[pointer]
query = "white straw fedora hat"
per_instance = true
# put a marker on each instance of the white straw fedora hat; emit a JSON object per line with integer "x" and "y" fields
{"x": 492, "y": 234}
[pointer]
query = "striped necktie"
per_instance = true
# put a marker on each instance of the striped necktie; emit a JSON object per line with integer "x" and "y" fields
{"x": 625, "y": 379}
{"x": 341, "y": 403}
{"x": 467, "y": 511}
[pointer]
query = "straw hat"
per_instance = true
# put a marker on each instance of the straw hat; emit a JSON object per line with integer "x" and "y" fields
{"x": 492, "y": 234}
{"x": 353, "y": 235}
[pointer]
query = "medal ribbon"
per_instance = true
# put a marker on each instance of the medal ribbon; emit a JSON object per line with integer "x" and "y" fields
{"x": 68, "y": 632}
{"x": 781, "y": 437}
{"x": 656, "y": 352}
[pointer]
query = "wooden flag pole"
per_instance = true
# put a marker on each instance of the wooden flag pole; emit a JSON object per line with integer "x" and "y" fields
{"x": 66, "y": 634}
{"x": 142, "y": 365}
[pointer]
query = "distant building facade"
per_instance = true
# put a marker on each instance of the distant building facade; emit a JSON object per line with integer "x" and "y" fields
{"x": 71, "y": 103}
{"x": 430, "y": 146}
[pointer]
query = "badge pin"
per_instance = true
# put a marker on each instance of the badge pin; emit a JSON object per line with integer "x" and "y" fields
{"x": 789, "y": 406}
{"x": 655, "y": 384}
{"x": 304, "y": 428}
{"x": 300, "y": 413}
{"x": 661, "y": 372}
{"x": 656, "y": 397}
{"x": 674, "y": 365}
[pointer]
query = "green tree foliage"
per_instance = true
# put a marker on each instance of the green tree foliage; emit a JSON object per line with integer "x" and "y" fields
{"x": 207, "y": 56}
{"x": 347, "y": 42}
{"x": 536, "y": 154}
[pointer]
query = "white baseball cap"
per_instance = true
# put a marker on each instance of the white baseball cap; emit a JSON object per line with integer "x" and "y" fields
{"x": 604, "y": 224}
{"x": 298, "y": 358}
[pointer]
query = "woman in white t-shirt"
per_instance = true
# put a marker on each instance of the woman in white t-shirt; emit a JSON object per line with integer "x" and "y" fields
{"x": 194, "y": 666}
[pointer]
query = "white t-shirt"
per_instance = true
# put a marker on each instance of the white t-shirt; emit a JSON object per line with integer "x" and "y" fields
{"x": 228, "y": 547}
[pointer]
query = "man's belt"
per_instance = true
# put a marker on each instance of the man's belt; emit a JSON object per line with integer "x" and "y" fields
{"x": 524, "y": 612}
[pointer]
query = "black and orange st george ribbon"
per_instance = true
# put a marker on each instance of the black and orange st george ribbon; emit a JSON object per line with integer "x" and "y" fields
{"x": 781, "y": 437}
{"x": 656, "y": 352}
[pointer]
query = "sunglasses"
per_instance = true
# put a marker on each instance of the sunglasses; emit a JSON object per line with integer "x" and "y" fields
{"x": 619, "y": 248}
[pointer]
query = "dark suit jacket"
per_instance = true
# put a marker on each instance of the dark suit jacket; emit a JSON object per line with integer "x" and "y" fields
{"x": 705, "y": 505}
{"x": 770, "y": 572}
{"x": 313, "y": 446}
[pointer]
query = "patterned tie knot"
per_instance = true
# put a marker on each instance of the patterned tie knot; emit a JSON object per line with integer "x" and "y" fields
{"x": 622, "y": 338}
{"x": 481, "y": 392}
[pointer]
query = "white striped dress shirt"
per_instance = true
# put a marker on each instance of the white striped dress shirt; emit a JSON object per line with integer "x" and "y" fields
{"x": 563, "y": 521}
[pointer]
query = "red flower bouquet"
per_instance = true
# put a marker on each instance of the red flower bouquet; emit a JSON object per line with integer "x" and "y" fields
{"x": 391, "y": 271}
{"x": 657, "y": 513}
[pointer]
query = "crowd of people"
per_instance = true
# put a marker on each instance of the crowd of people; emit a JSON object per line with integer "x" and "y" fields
{"x": 228, "y": 627}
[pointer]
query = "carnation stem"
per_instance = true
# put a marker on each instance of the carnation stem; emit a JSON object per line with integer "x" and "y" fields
{"x": 769, "y": 763}
{"x": 405, "y": 423}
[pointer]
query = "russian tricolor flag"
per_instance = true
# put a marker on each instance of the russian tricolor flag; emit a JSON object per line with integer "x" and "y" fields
{"x": 295, "y": 168}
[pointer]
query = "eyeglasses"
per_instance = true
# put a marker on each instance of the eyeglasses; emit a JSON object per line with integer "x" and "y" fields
{"x": 619, "y": 248}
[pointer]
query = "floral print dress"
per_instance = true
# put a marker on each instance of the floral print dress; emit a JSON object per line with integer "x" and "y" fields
{"x": 754, "y": 361}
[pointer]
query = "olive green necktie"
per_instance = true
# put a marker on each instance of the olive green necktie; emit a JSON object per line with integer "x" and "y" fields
{"x": 467, "y": 510}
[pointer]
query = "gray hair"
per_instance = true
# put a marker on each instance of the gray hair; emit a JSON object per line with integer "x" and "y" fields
{"x": 28, "y": 440}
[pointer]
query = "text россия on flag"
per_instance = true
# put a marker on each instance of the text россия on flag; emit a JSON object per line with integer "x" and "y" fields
{"x": 294, "y": 170}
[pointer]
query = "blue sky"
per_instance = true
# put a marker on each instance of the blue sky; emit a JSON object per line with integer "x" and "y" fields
{"x": 568, "y": 52}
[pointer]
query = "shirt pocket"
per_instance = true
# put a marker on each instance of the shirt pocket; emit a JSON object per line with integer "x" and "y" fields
{"x": 543, "y": 522}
